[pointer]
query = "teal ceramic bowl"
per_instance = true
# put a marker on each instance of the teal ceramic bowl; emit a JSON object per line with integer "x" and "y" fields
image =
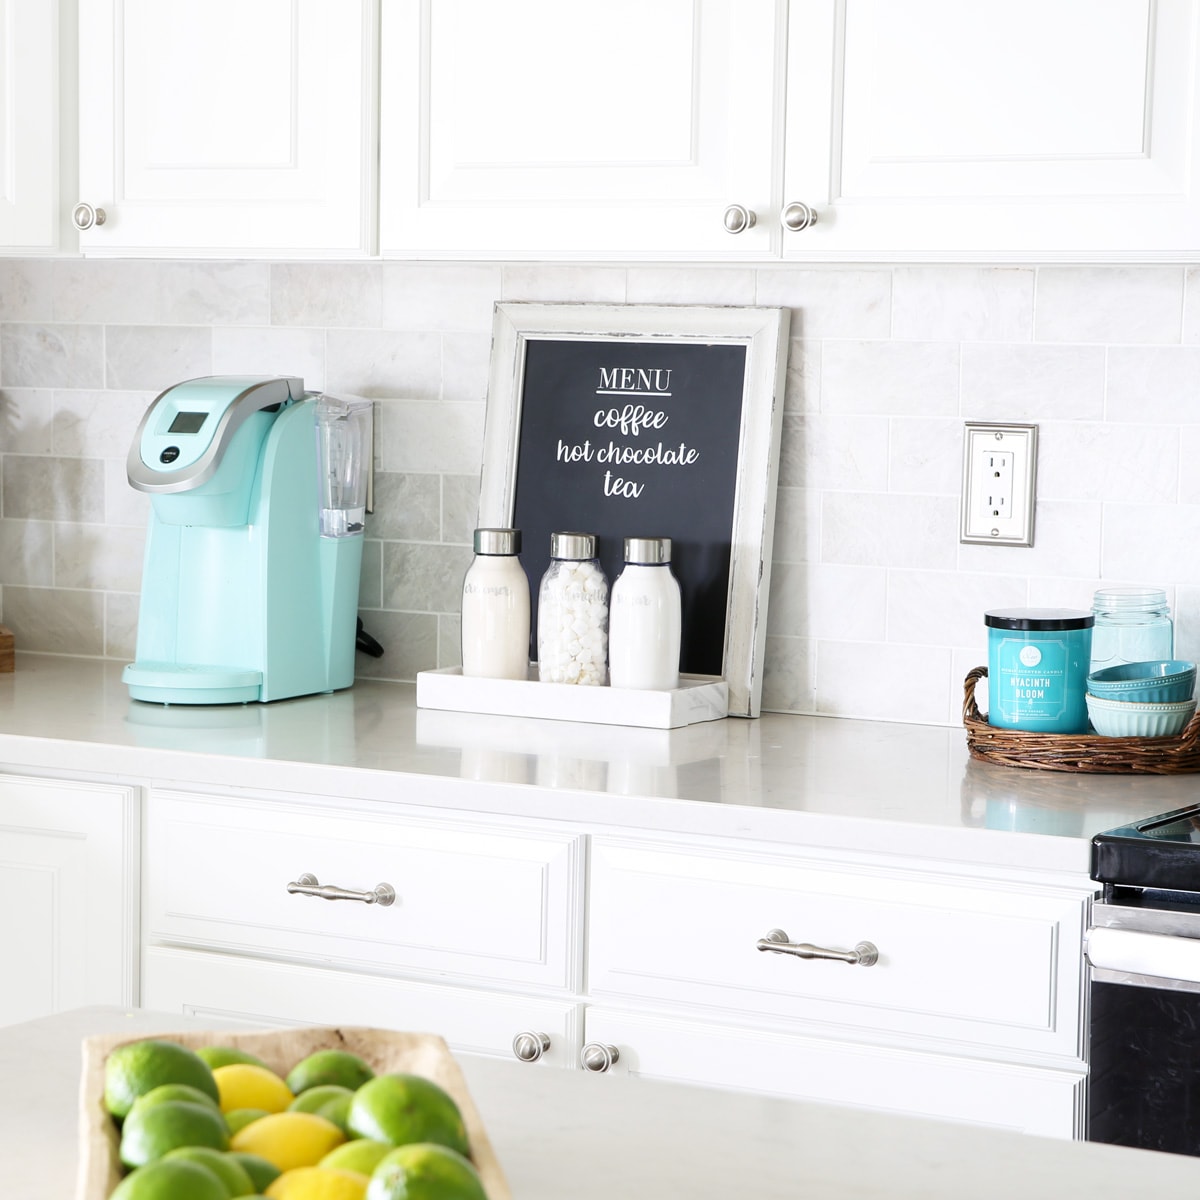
{"x": 1164, "y": 682}
{"x": 1127, "y": 718}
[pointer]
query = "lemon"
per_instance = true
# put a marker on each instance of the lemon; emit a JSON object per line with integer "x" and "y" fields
{"x": 150, "y": 1132}
{"x": 227, "y": 1169}
{"x": 261, "y": 1172}
{"x": 167, "y": 1180}
{"x": 243, "y": 1085}
{"x": 402, "y": 1108}
{"x": 239, "y": 1118}
{"x": 174, "y": 1091}
{"x": 289, "y": 1139}
{"x": 136, "y": 1068}
{"x": 329, "y": 1066}
{"x": 362, "y": 1154}
{"x": 425, "y": 1171}
{"x": 319, "y": 1183}
{"x": 223, "y": 1056}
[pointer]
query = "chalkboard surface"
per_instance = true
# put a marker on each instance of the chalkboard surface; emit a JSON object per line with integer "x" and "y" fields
{"x": 624, "y": 439}
{"x": 646, "y": 421}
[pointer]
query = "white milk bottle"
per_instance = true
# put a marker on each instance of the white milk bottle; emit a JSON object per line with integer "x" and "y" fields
{"x": 495, "y": 609}
{"x": 644, "y": 618}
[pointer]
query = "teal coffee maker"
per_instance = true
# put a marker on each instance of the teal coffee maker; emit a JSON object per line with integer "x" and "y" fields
{"x": 250, "y": 581}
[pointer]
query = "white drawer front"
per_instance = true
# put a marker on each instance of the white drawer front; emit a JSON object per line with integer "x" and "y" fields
{"x": 469, "y": 900}
{"x": 1028, "y": 1099}
{"x": 957, "y": 961}
{"x": 196, "y": 983}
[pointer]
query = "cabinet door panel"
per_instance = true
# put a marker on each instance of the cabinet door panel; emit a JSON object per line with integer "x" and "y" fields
{"x": 1026, "y": 1099}
{"x": 1053, "y": 127}
{"x": 476, "y": 1022}
{"x": 228, "y": 127}
{"x": 520, "y": 128}
{"x": 29, "y": 203}
{"x": 68, "y": 889}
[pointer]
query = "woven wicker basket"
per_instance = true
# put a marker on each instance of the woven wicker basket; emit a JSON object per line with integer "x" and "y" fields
{"x": 1077, "y": 752}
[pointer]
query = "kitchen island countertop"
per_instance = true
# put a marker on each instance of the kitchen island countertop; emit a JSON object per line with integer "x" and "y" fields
{"x": 567, "y": 1134}
{"x": 789, "y": 780}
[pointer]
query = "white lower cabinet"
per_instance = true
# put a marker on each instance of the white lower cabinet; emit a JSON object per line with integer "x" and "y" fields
{"x": 886, "y": 1079}
{"x": 69, "y": 892}
{"x": 966, "y": 1003}
{"x": 279, "y": 909}
{"x": 223, "y": 987}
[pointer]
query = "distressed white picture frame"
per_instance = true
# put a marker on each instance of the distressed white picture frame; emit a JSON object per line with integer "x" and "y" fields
{"x": 764, "y": 333}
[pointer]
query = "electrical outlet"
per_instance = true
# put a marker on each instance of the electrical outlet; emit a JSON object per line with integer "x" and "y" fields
{"x": 999, "y": 476}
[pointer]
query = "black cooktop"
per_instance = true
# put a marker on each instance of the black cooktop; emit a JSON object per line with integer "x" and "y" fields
{"x": 1159, "y": 852}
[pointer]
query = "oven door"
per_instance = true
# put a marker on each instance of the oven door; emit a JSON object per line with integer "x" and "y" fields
{"x": 1144, "y": 1085}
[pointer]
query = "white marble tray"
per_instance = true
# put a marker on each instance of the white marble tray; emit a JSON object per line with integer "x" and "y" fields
{"x": 698, "y": 698}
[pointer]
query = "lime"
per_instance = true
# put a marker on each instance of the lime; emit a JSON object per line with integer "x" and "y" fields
{"x": 319, "y": 1183}
{"x": 223, "y": 1056}
{"x": 329, "y": 1099}
{"x": 329, "y": 1066}
{"x": 260, "y": 1171}
{"x": 424, "y": 1171}
{"x": 150, "y": 1132}
{"x": 136, "y": 1068}
{"x": 174, "y": 1091}
{"x": 167, "y": 1180}
{"x": 225, "y": 1167}
{"x": 239, "y": 1118}
{"x": 289, "y": 1139}
{"x": 243, "y": 1085}
{"x": 401, "y": 1108}
{"x": 362, "y": 1154}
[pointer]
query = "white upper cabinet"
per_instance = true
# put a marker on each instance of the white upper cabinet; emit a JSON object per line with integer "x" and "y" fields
{"x": 910, "y": 129}
{"x": 228, "y": 128}
{"x": 1052, "y": 129}
{"x": 29, "y": 133}
{"x": 563, "y": 130}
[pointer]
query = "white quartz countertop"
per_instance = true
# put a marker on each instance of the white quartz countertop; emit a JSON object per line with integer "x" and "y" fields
{"x": 868, "y": 785}
{"x": 565, "y": 1133}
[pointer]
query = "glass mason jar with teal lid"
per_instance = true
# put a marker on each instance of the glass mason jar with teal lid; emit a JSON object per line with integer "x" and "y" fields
{"x": 1038, "y": 661}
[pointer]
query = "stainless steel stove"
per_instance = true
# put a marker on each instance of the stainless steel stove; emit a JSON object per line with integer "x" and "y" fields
{"x": 1144, "y": 951}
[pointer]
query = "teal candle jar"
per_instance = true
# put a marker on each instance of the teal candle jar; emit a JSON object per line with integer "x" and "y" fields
{"x": 1038, "y": 661}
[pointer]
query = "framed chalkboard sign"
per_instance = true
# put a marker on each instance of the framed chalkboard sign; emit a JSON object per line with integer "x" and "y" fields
{"x": 647, "y": 421}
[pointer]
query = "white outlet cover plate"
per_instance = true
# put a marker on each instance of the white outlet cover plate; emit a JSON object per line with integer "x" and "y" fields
{"x": 986, "y": 520}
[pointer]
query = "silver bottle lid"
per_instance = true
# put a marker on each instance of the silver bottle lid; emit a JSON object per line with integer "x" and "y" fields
{"x": 643, "y": 551}
{"x": 575, "y": 546}
{"x": 497, "y": 541}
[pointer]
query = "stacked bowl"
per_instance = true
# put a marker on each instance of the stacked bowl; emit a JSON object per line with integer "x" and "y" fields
{"x": 1142, "y": 699}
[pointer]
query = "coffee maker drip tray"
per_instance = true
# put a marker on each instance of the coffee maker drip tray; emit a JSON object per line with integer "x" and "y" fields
{"x": 192, "y": 683}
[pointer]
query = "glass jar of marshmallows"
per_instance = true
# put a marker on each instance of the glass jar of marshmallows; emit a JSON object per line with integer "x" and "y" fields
{"x": 572, "y": 620}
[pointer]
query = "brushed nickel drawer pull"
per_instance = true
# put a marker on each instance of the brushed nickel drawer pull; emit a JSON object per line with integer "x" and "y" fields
{"x": 598, "y": 1057}
{"x": 307, "y": 885}
{"x": 530, "y": 1045}
{"x": 865, "y": 954}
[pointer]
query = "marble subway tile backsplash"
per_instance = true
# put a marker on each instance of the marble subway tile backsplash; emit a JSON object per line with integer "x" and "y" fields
{"x": 875, "y": 607}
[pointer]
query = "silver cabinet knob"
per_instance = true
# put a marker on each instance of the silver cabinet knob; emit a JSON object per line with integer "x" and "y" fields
{"x": 865, "y": 954}
{"x": 84, "y": 216}
{"x": 798, "y": 216}
{"x": 529, "y": 1047}
{"x": 738, "y": 218}
{"x": 598, "y": 1057}
{"x": 382, "y": 894}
